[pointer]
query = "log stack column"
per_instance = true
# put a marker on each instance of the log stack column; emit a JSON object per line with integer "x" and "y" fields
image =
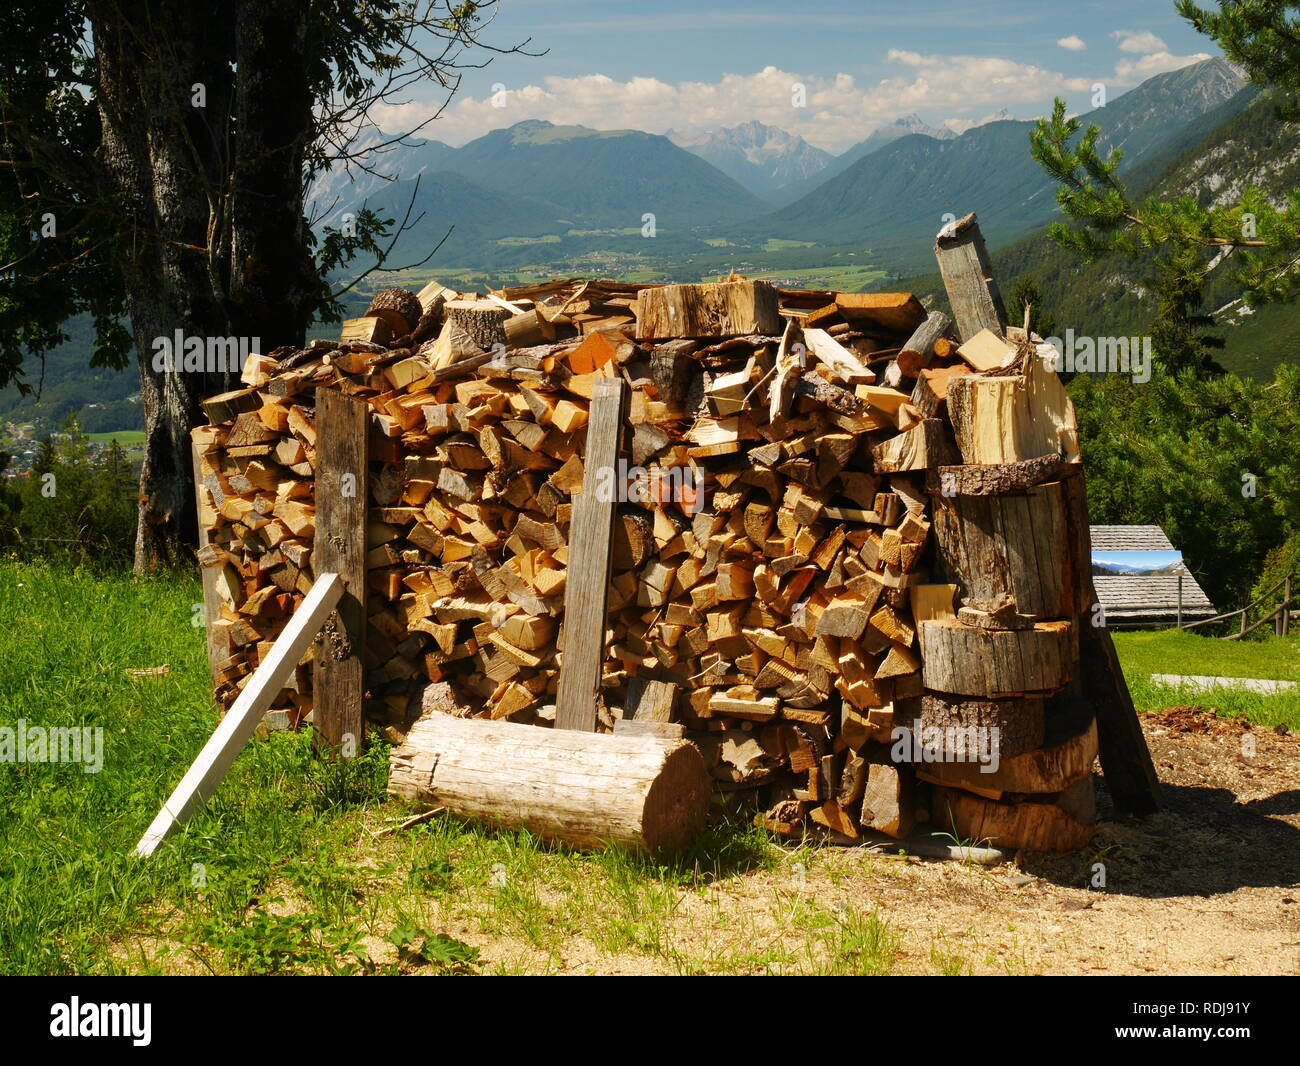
{"x": 1007, "y": 664}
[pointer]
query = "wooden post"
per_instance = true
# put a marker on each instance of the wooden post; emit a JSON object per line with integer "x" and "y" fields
{"x": 1286, "y": 608}
{"x": 1180, "y": 601}
{"x": 591, "y": 541}
{"x": 233, "y": 731}
{"x": 342, "y": 428}
{"x": 1125, "y": 758}
{"x": 968, "y": 277}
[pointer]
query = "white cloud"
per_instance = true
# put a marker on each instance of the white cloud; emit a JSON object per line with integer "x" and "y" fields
{"x": 1153, "y": 57}
{"x": 839, "y": 110}
{"x": 1072, "y": 43}
{"x": 1139, "y": 43}
{"x": 1132, "y": 71}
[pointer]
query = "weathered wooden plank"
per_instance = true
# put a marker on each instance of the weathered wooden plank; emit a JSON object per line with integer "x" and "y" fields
{"x": 968, "y": 276}
{"x": 1131, "y": 776}
{"x": 234, "y": 730}
{"x": 340, "y": 547}
{"x": 210, "y": 574}
{"x": 590, "y": 546}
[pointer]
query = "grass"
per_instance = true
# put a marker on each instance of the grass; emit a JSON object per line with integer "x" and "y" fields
{"x": 1171, "y": 651}
{"x": 131, "y": 441}
{"x": 291, "y": 869}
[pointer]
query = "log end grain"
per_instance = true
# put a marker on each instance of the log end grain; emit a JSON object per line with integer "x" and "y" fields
{"x": 677, "y": 804}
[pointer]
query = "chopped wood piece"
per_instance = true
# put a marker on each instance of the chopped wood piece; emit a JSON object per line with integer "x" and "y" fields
{"x": 987, "y": 351}
{"x": 843, "y": 364}
{"x": 735, "y": 307}
{"x": 924, "y": 445}
{"x": 968, "y": 276}
{"x": 1059, "y": 823}
{"x": 898, "y": 312}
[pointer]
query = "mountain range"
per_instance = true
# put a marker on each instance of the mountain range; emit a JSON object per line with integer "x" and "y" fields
{"x": 576, "y": 189}
{"x": 764, "y": 159}
{"x": 896, "y": 198}
{"x": 538, "y": 199}
{"x": 1237, "y": 144}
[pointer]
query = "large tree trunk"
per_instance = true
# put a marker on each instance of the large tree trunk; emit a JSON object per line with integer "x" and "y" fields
{"x": 218, "y": 246}
{"x": 274, "y": 284}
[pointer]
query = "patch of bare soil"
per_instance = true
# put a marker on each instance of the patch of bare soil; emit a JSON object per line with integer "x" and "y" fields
{"x": 1211, "y": 885}
{"x": 1208, "y": 886}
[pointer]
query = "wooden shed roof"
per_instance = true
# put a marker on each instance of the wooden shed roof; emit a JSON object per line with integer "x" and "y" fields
{"x": 1150, "y": 598}
{"x": 1129, "y": 539}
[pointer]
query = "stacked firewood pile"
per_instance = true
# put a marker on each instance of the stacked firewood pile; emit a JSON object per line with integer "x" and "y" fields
{"x": 835, "y": 525}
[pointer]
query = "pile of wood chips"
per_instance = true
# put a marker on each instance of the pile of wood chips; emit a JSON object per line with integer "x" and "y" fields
{"x": 772, "y": 555}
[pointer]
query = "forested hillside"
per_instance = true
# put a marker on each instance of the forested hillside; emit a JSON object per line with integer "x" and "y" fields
{"x": 1110, "y": 297}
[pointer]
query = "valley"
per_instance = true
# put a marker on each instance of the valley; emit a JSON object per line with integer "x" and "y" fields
{"x": 537, "y": 200}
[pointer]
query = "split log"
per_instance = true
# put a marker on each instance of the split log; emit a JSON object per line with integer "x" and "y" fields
{"x": 840, "y": 361}
{"x": 897, "y": 312}
{"x": 1058, "y": 823}
{"x": 732, "y": 307}
{"x": 1010, "y": 547}
{"x": 968, "y": 276}
{"x": 1013, "y": 417}
{"x": 925, "y": 445}
{"x": 887, "y": 802}
{"x": 995, "y": 663}
{"x": 918, "y": 350}
{"x": 583, "y": 789}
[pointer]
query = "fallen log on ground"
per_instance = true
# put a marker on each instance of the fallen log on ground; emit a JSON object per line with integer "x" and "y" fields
{"x": 585, "y": 789}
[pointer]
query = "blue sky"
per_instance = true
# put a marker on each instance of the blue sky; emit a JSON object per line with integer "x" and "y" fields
{"x": 668, "y": 64}
{"x": 1147, "y": 560}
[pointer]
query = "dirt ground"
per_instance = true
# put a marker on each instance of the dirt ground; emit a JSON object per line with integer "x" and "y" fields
{"x": 1208, "y": 886}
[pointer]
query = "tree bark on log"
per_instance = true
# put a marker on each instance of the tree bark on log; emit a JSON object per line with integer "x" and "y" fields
{"x": 1020, "y": 724}
{"x": 998, "y": 479}
{"x": 919, "y": 349}
{"x": 992, "y": 663}
{"x": 1042, "y": 771}
{"x": 584, "y": 789}
{"x": 1011, "y": 545}
{"x": 482, "y": 321}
